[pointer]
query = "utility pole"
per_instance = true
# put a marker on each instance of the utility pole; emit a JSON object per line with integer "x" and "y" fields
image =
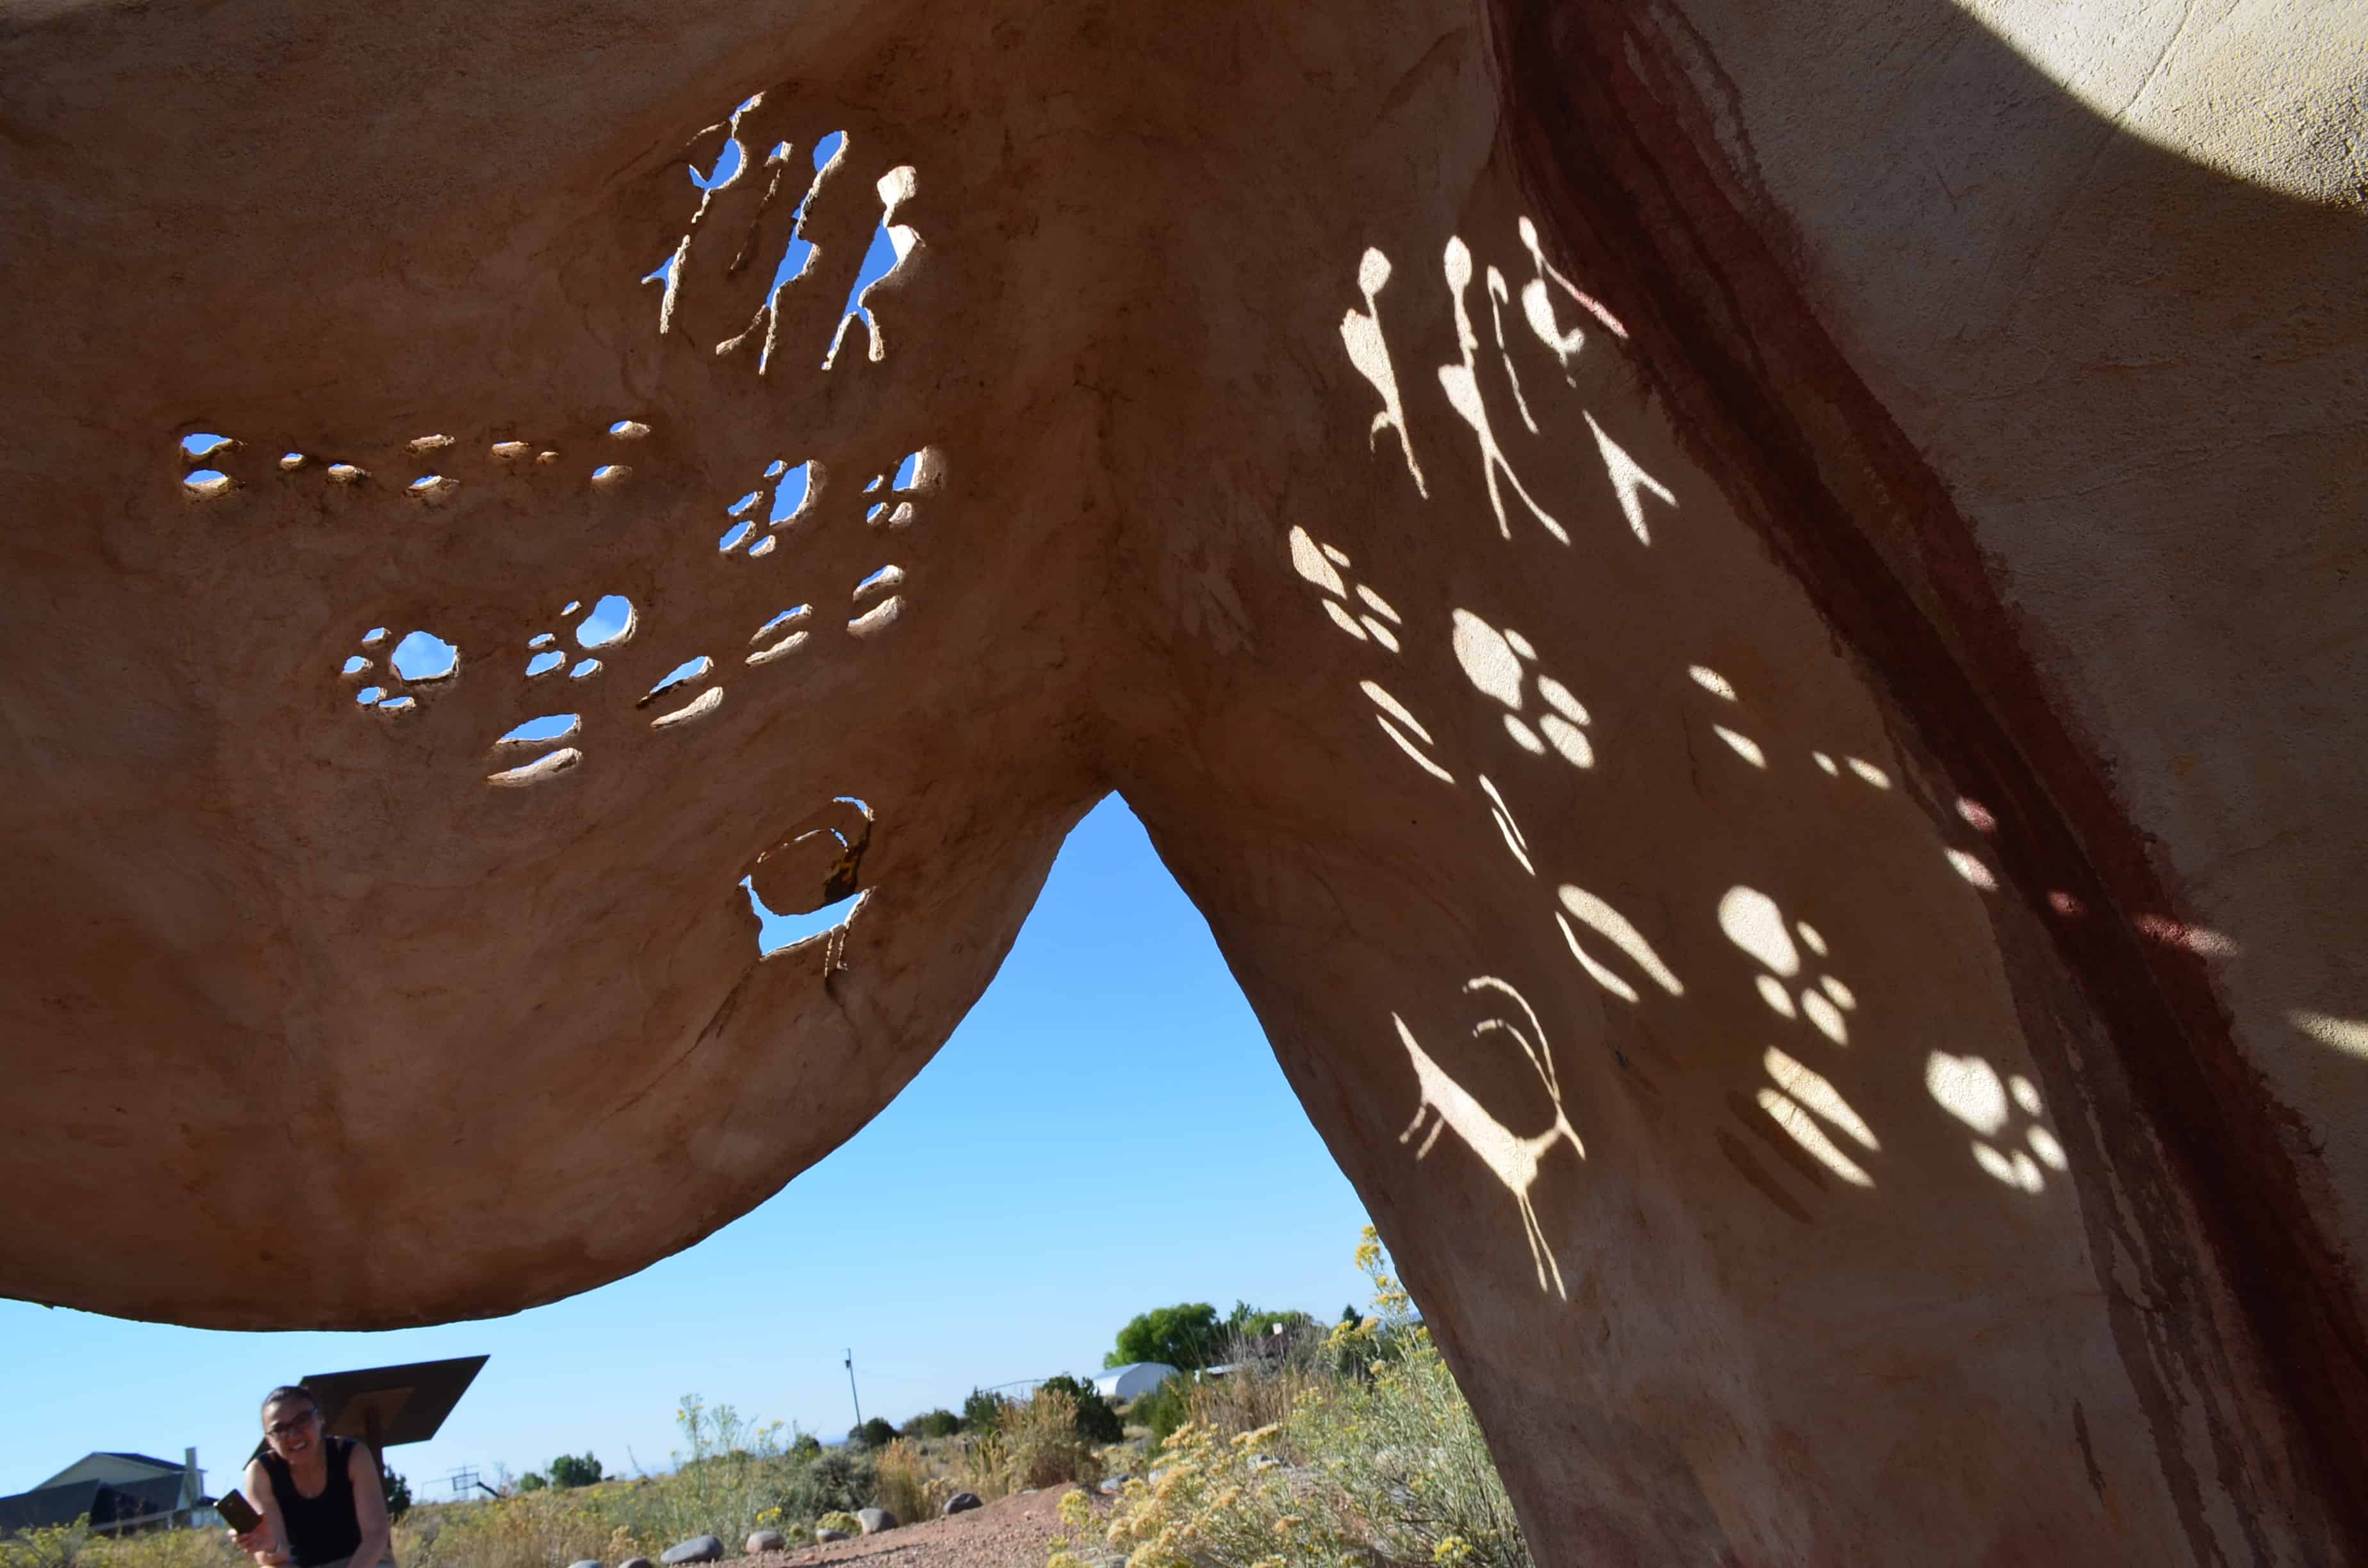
{"x": 850, "y": 1387}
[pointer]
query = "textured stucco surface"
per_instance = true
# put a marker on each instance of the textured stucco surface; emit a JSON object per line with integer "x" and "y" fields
{"x": 1790, "y": 805}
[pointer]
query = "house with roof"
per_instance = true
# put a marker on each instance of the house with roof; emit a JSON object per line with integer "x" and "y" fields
{"x": 118, "y": 1491}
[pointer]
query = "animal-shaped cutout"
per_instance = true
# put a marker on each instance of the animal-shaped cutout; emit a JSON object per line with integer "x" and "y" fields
{"x": 1512, "y": 1159}
{"x": 815, "y": 869}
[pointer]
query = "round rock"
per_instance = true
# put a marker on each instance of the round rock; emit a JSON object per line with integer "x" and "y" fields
{"x": 698, "y": 1549}
{"x": 636, "y": 1563}
{"x": 585, "y": 1562}
{"x": 821, "y": 1536}
{"x": 960, "y": 1503}
{"x": 874, "y": 1520}
{"x": 766, "y": 1540}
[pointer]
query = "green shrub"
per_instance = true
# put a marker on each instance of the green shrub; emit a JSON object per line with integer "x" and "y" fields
{"x": 1097, "y": 1422}
{"x": 874, "y": 1434}
{"x": 1185, "y": 1336}
{"x": 845, "y": 1523}
{"x": 933, "y": 1424}
{"x": 1162, "y": 1410}
{"x": 983, "y": 1412}
{"x": 574, "y": 1470}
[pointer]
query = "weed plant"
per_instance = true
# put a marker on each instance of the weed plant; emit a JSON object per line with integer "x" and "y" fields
{"x": 1362, "y": 1451}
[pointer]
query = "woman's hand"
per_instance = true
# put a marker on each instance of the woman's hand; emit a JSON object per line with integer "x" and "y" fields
{"x": 259, "y": 1544}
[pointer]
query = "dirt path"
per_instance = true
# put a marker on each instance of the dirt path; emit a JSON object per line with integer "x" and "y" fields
{"x": 1013, "y": 1533}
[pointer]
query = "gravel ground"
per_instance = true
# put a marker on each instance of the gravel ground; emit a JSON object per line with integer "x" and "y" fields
{"x": 1012, "y": 1533}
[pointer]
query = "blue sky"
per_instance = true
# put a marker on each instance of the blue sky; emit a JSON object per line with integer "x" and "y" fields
{"x": 1107, "y": 1131}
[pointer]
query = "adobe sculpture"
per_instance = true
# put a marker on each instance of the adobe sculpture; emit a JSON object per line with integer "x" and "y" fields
{"x": 1745, "y": 620}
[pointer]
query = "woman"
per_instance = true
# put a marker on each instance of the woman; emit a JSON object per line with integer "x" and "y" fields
{"x": 319, "y": 1496}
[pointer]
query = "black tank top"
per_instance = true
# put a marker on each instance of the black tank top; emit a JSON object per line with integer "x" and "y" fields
{"x": 324, "y": 1528}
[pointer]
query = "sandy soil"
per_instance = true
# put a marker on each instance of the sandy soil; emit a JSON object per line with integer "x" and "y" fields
{"x": 1012, "y": 1533}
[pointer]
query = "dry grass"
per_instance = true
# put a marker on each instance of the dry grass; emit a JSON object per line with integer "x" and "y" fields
{"x": 1361, "y": 1450}
{"x": 909, "y": 1484}
{"x": 1041, "y": 1447}
{"x": 78, "y": 1546}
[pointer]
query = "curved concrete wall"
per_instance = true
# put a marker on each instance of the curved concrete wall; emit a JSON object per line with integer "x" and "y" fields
{"x": 1739, "y": 624}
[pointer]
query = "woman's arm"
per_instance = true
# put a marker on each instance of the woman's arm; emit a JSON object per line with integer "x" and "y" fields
{"x": 268, "y": 1543}
{"x": 369, "y": 1509}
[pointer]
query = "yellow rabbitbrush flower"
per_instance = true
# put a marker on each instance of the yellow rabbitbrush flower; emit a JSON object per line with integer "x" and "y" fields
{"x": 1077, "y": 1508}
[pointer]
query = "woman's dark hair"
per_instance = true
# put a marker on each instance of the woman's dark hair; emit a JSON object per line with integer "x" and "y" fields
{"x": 287, "y": 1392}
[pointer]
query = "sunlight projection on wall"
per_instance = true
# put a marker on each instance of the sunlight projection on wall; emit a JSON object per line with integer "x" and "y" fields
{"x": 1361, "y": 332}
{"x": 1511, "y": 1159}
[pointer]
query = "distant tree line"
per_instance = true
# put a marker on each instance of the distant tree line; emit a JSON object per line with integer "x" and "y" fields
{"x": 566, "y": 1471}
{"x": 1191, "y": 1335}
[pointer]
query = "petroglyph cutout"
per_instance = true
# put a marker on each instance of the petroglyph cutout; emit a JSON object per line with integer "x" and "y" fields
{"x": 2014, "y": 1145}
{"x": 1609, "y": 925}
{"x": 1537, "y": 304}
{"x": 541, "y": 769}
{"x": 1404, "y": 729}
{"x": 419, "y": 660}
{"x": 1498, "y": 296}
{"x": 1754, "y": 923}
{"x": 1361, "y": 332}
{"x": 892, "y": 243}
{"x": 1497, "y": 662}
{"x": 789, "y": 640}
{"x": 1628, "y": 482}
{"x": 1461, "y": 382}
{"x": 1361, "y": 613}
{"x": 1511, "y": 1159}
{"x": 810, "y": 884}
{"x": 1515, "y": 839}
